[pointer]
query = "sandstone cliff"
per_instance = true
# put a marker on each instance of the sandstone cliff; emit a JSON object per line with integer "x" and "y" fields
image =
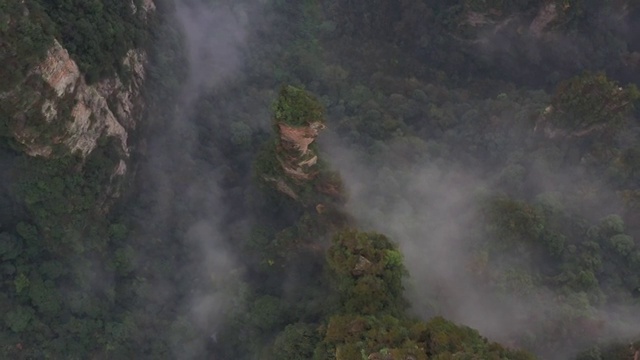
{"x": 291, "y": 164}
{"x": 296, "y": 158}
{"x": 297, "y": 161}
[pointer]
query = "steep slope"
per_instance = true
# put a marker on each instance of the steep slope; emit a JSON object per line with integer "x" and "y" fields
{"x": 73, "y": 113}
{"x": 70, "y": 97}
{"x": 291, "y": 162}
{"x": 366, "y": 312}
{"x": 48, "y": 107}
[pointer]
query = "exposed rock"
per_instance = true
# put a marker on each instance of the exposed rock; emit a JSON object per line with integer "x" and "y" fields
{"x": 125, "y": 99}
{"x": 38, "y": 150}
{"x": 547, "y": 14}
{"x": 107, "y": 108}
{"x": 291, "y": 164}
{"x": 297, "y": 172}
{"x": 121, "y": 169}
{"x": 299, "y": 138}
{"x": 495, "y": 21}
{"x": 380, "y": 356}
{"x": 310, "y": 162}
{"x": 476, "y": 19}
{"x": 49, "y": 110}
{"x": 362, "y": 266}
{"x": 59, "y": 70}
{"x": 282, "y": 187}
{"x": 135, "y": 61}
{"x": 296, "y": 158}
{"x": 92, "y": 119}
{"x": 147, "y": 7}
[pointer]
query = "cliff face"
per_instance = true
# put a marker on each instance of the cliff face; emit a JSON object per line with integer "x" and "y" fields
{"x": 62, "y": 109}
{"x": 48, "y": 108}
{"x": 538, "y": 44}
{"x": 547, "y": 14}
{"x": 296, "y": 171}
{"x": 297, "y": 163}
{"x": 539, "y": 19}
{"x": 296, "y": 158}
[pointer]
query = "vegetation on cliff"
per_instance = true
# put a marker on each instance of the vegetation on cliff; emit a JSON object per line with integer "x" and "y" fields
{"x": 59, "y": 233}
{"x": 433, "y": 106}
{"x": 98, "y": 35}
{"x": 290, "y": 163}
{"x": 296, "y": 107}
{"x": 367, "y": 313}
{"x": 591, "y": 102}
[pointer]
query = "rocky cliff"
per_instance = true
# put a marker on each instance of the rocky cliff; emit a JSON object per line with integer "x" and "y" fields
{"x": 550, "y": 37}
{"x": 291, "y": 164}
{"x": 548, "y": 18}
{"x": 54, "y": 106}
{"x": 53, "y": 111}
{"x": 296, "y": 158}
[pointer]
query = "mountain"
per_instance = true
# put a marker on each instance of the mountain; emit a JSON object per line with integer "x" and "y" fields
{"x": 262, "y": 179}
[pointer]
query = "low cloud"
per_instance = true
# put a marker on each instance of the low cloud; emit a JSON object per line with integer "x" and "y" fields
{"x": 432, "y": 210}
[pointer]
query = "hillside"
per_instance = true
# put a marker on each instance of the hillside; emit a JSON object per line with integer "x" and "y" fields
{"x": 258, "y": 179}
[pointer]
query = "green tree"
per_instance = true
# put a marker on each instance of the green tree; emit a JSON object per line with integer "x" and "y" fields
{"x": 591, "y": 101}
{"x": 296, "y": 341}
{"x": 296, "y": 106}
{"x": 18, "y": 319}
{"x": 368, "y": 272}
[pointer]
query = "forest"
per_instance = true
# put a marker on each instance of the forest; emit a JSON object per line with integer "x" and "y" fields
{"x": 332, "y": 180}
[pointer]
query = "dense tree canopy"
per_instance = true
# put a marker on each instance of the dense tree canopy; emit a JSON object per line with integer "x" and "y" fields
{"x": 500, "y": 160}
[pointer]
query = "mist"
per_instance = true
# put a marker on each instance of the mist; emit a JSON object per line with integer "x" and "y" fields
{"x": 215, "y": 37}
{"x": 430, "y": 207}
{"x": 186, "y": 206}
{"x": 520, "y": 48}
{"x": 433, "y": 210}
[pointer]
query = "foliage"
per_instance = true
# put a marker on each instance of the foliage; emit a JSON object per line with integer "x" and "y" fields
{"x": 98, "y": 34}
{"x": 64, "y": 189}
{"x": 296, "y": 341}
{"x": 373, "y": 323}
{"x": 446, "y": 340}
{"x": 405, "y": 84}
{"x": 296, "y": 107}
{"x": 26, "y": 33}
{"x": 56, "y": 246}
{"x": 590, "y": 100}
{"x": 368, "y": 272}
